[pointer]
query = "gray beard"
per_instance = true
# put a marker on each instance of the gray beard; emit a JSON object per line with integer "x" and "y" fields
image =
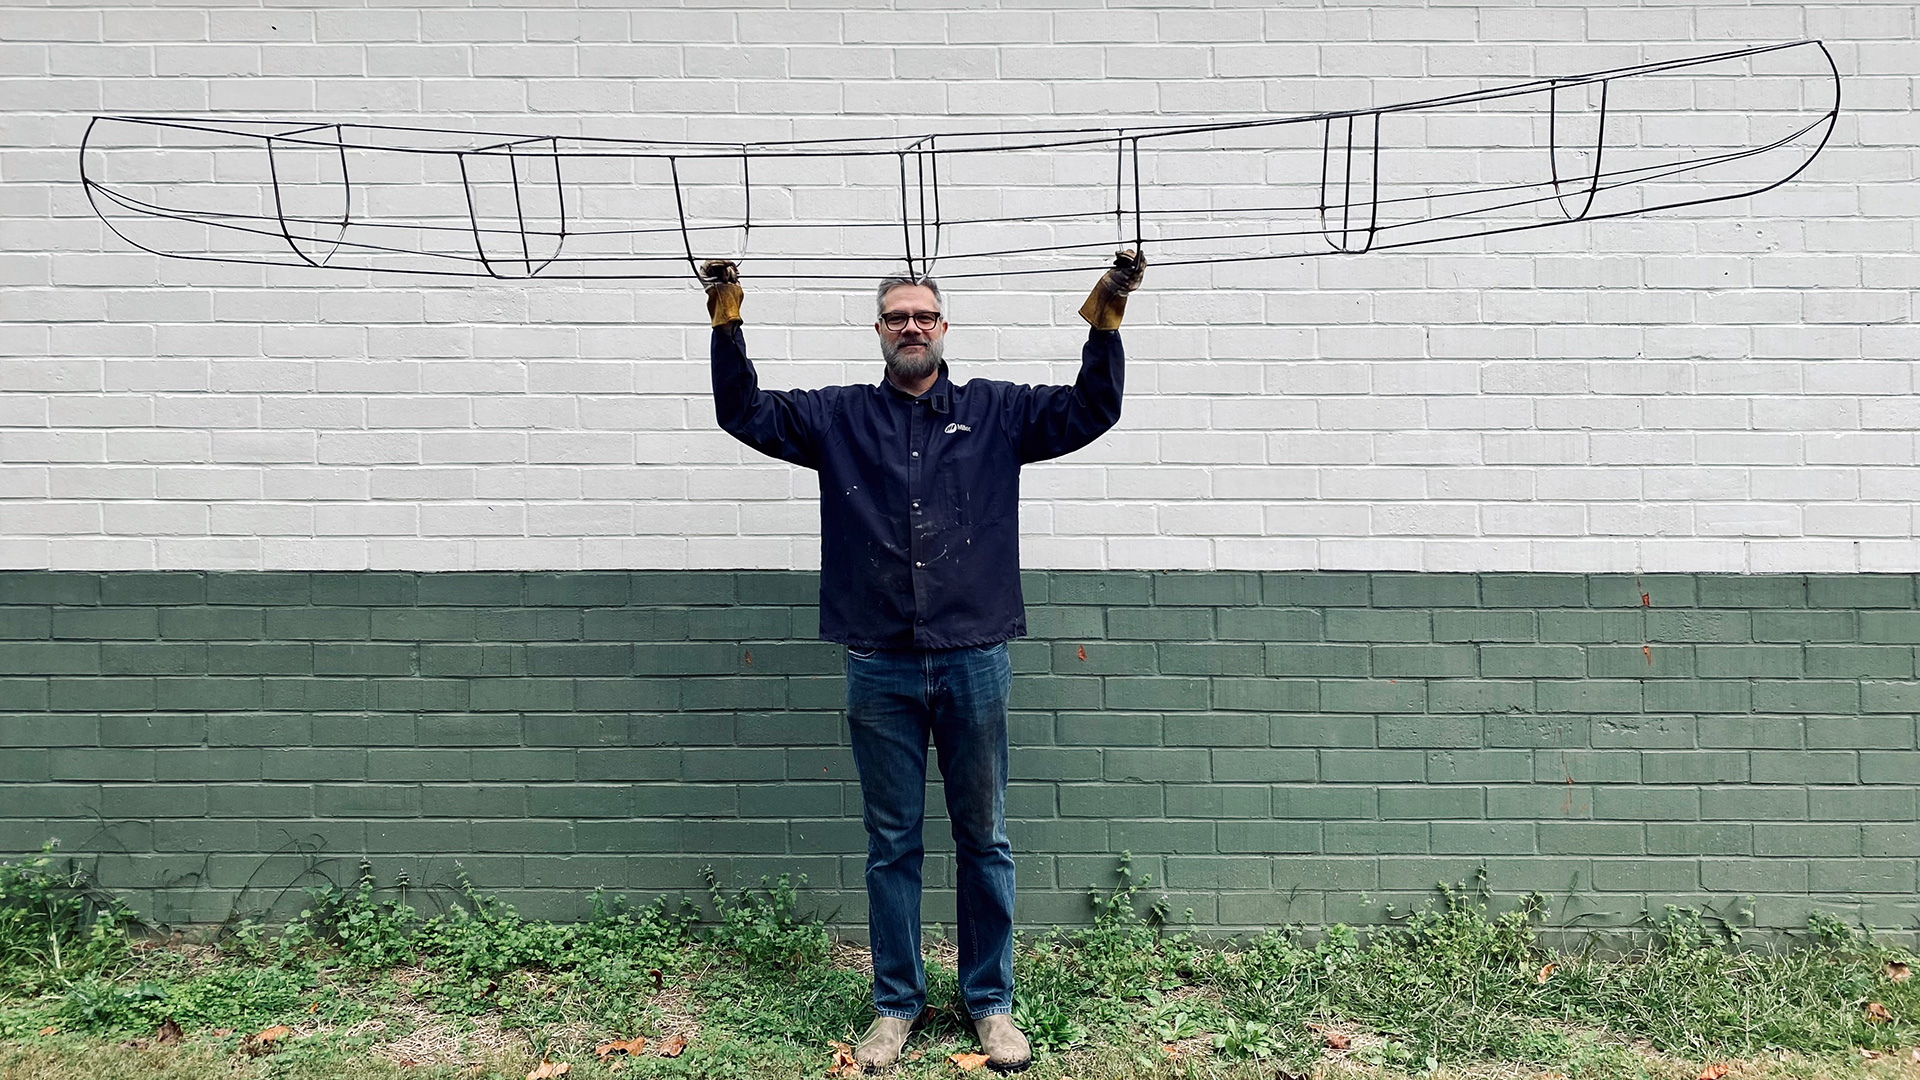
{"x": 905, "y": 368}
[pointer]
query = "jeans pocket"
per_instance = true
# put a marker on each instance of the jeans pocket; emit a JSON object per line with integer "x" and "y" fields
{"x": 862, "y": 654}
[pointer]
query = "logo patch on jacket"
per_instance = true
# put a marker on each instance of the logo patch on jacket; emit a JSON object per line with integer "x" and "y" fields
{"x": 951, "y": 428}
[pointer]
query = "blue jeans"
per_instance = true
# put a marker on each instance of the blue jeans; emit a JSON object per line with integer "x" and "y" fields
{"x": 895, "y": 699}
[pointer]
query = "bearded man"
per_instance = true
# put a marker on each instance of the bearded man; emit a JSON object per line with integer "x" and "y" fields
{"x": 920, "y": 581}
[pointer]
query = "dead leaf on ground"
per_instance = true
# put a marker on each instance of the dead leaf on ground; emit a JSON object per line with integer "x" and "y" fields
{"x": 673, "y": 1046}
{"x": 1869, "y": 1055}
{"x": 967, "y": 1062}
{"x": 49, "y": 1030}
{"x": 261, "y": 1042}
{"x": 1169, "y": 1049}
{"x": 619, "y": 1046}
{"x": 1714, "y": 1071}
{"x": 220, "y": 1033}
{"x": 1878, "y": 1014}
{"x": 169, "y": 1031}
{"x": 1334, "y": 1039}
{"x": 1916, "y": 1055}
{"x": 1545, "y": 972}
{"x": 843, "y": 1064}
{"x": 1898, "y": 971}
{"x": 916, "y": 1055}
{"x": 547, "y": 1070}
{"x": 659, "y": 980}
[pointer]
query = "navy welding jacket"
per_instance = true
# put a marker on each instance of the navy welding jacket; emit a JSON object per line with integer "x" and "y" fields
{"x": 919, "y": 497}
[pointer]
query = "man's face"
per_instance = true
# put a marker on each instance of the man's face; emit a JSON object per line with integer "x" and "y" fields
{"x": 912, "y": 351}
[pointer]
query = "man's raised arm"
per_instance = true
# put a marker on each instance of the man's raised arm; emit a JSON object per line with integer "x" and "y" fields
{"x": 778, "y": 423}
{"x": 1056, "y": 420}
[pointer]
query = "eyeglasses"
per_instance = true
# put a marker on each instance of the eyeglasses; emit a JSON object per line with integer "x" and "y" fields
{"x": 897, "y": 320}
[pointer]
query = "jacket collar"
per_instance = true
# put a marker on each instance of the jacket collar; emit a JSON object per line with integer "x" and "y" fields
{"x": 939, "y": 395}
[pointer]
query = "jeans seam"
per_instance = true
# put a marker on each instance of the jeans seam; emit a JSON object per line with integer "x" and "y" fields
{"x": 1008, "y": 1011}
{"x": 914, "y": 1015}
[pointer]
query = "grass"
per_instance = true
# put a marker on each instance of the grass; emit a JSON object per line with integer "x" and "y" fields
{"x": 752, "y": 986}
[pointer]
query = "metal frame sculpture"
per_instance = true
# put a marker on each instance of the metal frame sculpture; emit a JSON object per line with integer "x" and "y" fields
{"x": 435, "y": 201}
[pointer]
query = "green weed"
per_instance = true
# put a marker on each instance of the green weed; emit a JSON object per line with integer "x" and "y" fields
{"x": 55, "y": 923}
{"x": 1074, "y": 984}
{"x": 1453, "y": 988}
{"x": 238, "y": 998}
{"x": 369, "y": 931}
{"x": 765, "y": 972}
{"x": 765, "y": 929}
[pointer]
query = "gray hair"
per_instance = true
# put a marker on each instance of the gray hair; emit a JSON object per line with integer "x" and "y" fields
{"x": 900, "y": 281}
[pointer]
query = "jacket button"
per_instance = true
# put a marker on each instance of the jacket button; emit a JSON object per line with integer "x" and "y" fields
{"x": 916, "y": 453}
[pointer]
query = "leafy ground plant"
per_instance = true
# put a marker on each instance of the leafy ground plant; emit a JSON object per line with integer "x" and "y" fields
{"x": 754, "y": 985}
{"x": 55, "y": 924}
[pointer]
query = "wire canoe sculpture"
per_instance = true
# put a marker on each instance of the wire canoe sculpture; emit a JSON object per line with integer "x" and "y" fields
{"x": 417, "y": 200}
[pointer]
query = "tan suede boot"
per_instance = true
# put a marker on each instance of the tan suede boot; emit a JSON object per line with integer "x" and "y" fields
{"x": 1005, "y": 1045}
{"x": 880, "y": 1046}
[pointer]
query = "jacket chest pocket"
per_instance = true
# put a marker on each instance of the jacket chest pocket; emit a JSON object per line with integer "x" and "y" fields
{"x": 958, "y": 497}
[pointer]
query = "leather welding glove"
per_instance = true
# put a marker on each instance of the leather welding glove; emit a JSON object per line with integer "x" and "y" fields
{"x": 722, "y": 279}
{"x": 1108, "y": 301}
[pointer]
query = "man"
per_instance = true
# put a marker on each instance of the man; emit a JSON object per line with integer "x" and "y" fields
{"x": 920, "y": 580}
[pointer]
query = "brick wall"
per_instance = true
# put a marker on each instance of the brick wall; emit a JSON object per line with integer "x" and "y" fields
{"x": 1273, "y": 747}
{"x": 1726, "y": 389}
{"x": 1691, "y": 397}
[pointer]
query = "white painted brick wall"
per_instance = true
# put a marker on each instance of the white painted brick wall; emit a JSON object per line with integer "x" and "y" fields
{"x": 1728, "y": 388}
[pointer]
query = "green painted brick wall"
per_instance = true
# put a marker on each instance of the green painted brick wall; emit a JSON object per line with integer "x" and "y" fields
{"x": 1279, "y": 747}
